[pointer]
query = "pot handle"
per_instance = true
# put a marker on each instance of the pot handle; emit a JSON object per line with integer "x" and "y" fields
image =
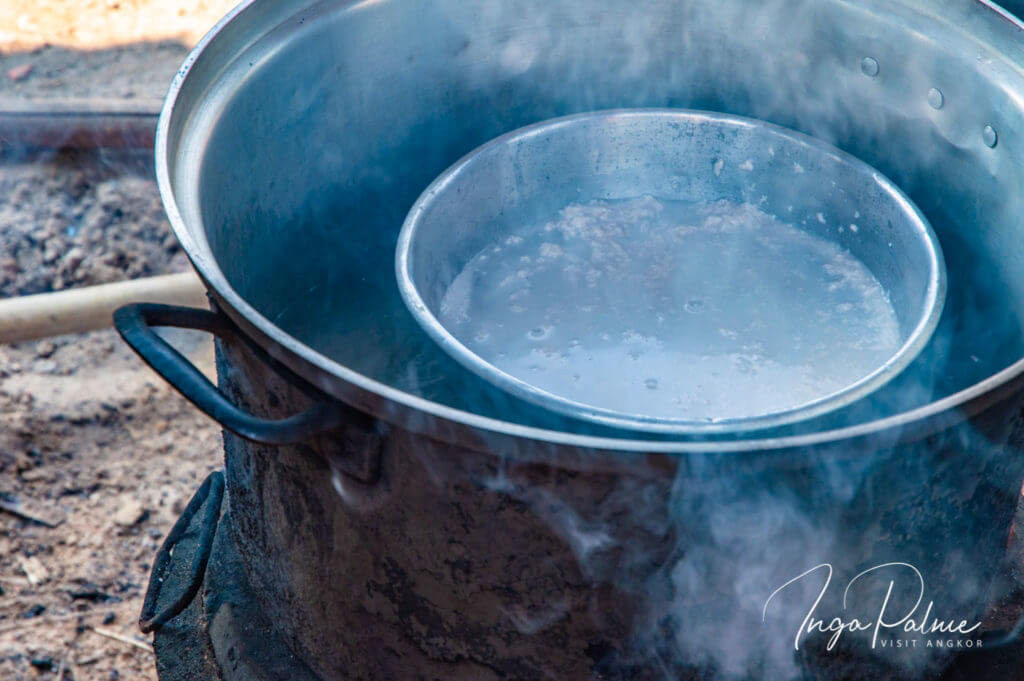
{"x": 134, "y": 323}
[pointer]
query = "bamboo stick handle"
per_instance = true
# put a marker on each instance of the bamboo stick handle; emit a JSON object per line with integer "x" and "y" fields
{"x": 89, "y": 308}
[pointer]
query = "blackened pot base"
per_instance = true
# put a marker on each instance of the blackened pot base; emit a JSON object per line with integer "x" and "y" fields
{"x": 223, "y": 635}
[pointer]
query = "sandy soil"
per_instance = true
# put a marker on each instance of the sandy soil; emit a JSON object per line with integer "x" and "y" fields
{"x": 92, "y": 439}
{"x": 89, "y": 437}
{"x": 98, "y": 48}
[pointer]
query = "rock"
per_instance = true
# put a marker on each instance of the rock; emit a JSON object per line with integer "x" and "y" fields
{"x": 35, "y": 571}
{"x": 9, "y": 266}
{"x": 35, "y": 611}
{"x": 45, "y": 348}
{"x": 20, "y": 72}
{"x": 44, "y": 366}
{"x": 73, "y": 258}
{"x": 130, "y": 513}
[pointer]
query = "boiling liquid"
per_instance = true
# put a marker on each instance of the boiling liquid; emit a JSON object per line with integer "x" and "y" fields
{"x": 673, "y": 310}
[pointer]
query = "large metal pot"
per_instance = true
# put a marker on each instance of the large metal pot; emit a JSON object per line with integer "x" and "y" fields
{"x": 416, "y": 523}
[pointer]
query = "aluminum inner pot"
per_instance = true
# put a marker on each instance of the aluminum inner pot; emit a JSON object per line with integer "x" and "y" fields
{"x": 672, "y": 271}
{"x": 298, "y": 135}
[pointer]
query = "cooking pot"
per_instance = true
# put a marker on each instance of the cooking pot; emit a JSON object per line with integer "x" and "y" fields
{"x": 402, "y": 519}
{"x": 657, "y": 230}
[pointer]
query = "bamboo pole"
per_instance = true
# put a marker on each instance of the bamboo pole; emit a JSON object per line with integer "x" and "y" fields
{"x": 91, "y": 307}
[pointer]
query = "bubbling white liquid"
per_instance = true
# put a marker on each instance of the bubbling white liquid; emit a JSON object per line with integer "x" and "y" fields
{"x": 673, "y": 310}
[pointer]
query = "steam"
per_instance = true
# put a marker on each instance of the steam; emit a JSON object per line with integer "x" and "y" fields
{"x": 699, "y": 554}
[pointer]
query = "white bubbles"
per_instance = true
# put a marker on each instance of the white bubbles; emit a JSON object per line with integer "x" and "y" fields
{"x": 869, "y": 66}
{"x": 989, "y": 136}
{"x": 673, "y": 310}
{"x": 936, "y": 99}
{"x": 549, "y": 250}
{"x": 539, "y": 333}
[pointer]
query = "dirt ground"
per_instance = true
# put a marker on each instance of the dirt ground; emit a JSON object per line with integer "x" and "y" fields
{"x": 98, "y": 48}
{"x": 90, "y": 439}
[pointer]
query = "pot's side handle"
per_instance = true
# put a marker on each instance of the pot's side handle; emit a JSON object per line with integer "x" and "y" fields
{"x": 210, "y": 494}
{"x": 134, "y": 323}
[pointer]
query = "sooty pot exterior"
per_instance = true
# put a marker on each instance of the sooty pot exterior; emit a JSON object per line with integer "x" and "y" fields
{"x": 435, "y": 561}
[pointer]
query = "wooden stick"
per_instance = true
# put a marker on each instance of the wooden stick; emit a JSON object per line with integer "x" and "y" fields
{"x": 79, "y": 123}
{"x": 86, "y": 309}
{"x": 123, "y": 639}
{"x": 18, "y": 507}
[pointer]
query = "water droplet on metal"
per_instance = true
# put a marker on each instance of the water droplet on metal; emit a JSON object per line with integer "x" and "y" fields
{"x": 989, "y": 137}
{"x": 869, "y": 66}
{"x": 935, "y": 99}
{"x": 651, "y": 383}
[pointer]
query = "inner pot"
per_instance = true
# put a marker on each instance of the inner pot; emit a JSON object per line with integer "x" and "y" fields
{"x": 500, "y": 541}
{"x": 672, "y": 271}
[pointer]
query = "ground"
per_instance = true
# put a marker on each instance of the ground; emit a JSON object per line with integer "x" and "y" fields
{"x": 89, "y": 437}
{"x": 98, "y": 48}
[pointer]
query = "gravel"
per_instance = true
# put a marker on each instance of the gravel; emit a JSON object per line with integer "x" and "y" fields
{"x": 72, "y": 220}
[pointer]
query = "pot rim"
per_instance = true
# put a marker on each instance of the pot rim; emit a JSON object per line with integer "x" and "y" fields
{"x": 388, "y": 403}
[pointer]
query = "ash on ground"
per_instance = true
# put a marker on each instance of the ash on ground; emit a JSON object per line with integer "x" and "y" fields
{"x": 90, "y": 438}
{"x": 71, "y": 219}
